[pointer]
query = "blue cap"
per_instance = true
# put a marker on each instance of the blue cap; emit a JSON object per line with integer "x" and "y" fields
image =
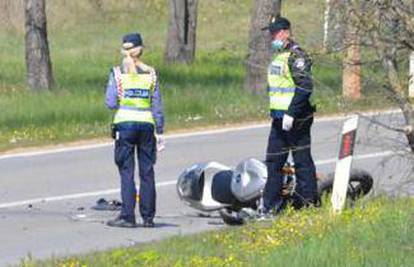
{"x": 133, "y": 38}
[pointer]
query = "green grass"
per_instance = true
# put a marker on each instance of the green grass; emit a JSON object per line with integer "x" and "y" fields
{"x": 375, "y": 233}
{"x": 383, "y": 241}
{"x": 207, "y": 92}
{"x": 84, "y": 44}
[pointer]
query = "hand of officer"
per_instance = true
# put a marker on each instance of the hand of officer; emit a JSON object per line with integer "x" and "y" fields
{"x": 160, "y": 142}
{"x": 287, "y": 122}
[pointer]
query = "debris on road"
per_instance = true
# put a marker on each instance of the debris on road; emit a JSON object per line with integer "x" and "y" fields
{"x": 103, "y": 204}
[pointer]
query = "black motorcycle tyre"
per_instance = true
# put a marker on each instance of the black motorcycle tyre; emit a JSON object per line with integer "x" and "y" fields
{"x": 360, "y": 184}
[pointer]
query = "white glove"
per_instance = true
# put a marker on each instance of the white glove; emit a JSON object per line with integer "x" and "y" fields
{"x": 160, "y": 142}
{"x": 287, "y": 122}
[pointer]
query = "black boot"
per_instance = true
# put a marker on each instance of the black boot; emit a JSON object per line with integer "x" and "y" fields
{"x": 121, "y": 222}
{"x": 148, "y": 223}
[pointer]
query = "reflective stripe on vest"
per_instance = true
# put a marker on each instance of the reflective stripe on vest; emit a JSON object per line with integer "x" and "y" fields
{"x": 134, "y": 92}
{"x": 281, "y": 84}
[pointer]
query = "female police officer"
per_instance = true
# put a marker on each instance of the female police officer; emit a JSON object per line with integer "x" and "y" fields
{"x": 133, "y": 92}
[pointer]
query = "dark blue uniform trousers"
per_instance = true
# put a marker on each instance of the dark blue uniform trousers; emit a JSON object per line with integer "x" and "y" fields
{"x": 143, "y": 142}
{"x": 298, "y": 141}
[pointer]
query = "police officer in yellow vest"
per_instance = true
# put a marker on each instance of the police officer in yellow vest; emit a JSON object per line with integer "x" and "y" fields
{"x": 133, "y": 92}
{"x": 290, "y": 87}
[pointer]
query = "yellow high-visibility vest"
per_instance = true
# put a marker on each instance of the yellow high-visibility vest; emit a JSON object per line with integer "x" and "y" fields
{"x": 280, "y": 81}
{"x": 134, "y": 93}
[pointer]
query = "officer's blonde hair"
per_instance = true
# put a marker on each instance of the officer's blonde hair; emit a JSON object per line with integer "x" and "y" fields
{"x": 131, "y": 59}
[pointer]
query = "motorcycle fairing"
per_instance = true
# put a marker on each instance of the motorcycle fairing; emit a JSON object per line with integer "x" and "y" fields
{"x": 194, "y": 186}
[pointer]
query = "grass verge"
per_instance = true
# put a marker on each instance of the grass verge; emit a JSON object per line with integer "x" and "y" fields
{"x": 84, "y": 41}
{"x": 208, "y": 92}
{"x": 376, "y": 233}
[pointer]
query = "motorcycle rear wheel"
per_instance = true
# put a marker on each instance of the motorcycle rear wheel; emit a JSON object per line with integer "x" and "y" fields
{"x": 360, "y": 184}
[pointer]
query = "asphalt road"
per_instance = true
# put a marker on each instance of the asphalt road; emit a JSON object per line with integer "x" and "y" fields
{"x": 45, "y": 197}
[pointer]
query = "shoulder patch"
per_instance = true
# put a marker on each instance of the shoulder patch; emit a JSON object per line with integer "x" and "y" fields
{"x": 299, "y": 63}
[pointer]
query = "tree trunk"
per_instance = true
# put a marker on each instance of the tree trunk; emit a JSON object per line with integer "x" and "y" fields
{"x": 5, "y": 12}
{"x": 39, "y": 69}
{"x": 259, "y": 54}
{"x": 337, "y": 28}
{"x": 351, "y": 73}
{"x": 411, "y": 71}
{"x": 411, "y": 75}
{"x": 326, "y": 25}
{"x": 181, "y": 40}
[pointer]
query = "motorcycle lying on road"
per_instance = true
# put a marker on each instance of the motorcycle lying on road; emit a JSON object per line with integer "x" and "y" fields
{"x": 237, "y": 193}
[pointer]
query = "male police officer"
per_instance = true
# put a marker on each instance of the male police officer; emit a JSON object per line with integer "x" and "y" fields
{"x": 133, "y": 91}
{"x": 289, "y": 87}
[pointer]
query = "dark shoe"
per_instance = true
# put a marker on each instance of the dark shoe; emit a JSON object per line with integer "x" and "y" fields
{"x": 270, "y": 214}
{"x": 121, "y": 222}
{"x": 307, "y": 203}
{"x": 148, "y": 223}
{"x": 266, "y": 215}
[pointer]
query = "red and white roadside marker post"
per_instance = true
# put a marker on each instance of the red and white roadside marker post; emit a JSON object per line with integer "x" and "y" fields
{"x": 343, "y": 164}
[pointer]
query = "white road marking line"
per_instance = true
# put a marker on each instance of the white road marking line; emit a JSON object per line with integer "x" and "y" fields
{"x": 179, "y": 135}
{"x": 160, "y": 184}
{"x": 71, "y": 196}
{"x": 359, "y": 157}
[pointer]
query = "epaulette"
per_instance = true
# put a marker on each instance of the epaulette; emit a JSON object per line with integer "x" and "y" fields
{"x": 148, "y": 69}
